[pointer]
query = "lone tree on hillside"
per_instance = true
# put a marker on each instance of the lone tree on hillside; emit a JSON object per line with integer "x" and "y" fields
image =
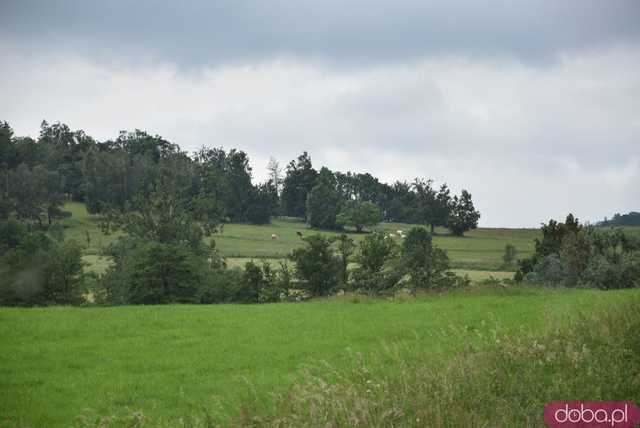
{"x": 359, "y": 214}
{"x": 463, "y": 216}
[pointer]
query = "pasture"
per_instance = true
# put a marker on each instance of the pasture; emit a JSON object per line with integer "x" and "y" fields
{"x": 478, "y": 250}
{"x": 166, "y": 362}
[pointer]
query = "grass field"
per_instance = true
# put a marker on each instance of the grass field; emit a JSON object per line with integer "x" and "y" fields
{"x": 171, "y": 361}
{"x": 480, "y": 249}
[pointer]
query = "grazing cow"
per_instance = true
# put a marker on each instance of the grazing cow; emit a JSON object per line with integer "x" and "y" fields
{"x": 399, "y": 232}
{"x": 392, "y": 235}
{"x": 299, "y": 233}
{"x": 274, "y": 237}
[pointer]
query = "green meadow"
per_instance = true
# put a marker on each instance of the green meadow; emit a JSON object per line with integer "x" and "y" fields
{"x": 168, "y": 362}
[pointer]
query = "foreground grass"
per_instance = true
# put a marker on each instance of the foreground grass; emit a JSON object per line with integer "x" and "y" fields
{"x": 168, "y": 362}
{"x": 504, "y": 380}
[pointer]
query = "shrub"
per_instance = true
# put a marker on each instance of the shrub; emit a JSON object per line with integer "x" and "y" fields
{"x": 509, "y": 255}
{"x": 35, "y": 270}
{"x": 552, "y": 235}
{"x": 424, "y": 262}
{"x": 549, "y": 271}
{"x": 604, "y": 273}
{"x": 572, "y": 255}
{"x": 317, "y": 265}
{"x": 222, "y": 286}
{"x": 154, "y": 272}
{"x": 63, "y": 275}
{"x": 345, "y": 251}
{"x": 376, "y": 273}
{"x": 359, "y": 214}
{"x": 263, "y": 284}
{"x": 375, "y": 251}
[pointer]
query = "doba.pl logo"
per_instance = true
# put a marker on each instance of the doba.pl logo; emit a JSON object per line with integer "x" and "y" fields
{"x": 592, "y": 414}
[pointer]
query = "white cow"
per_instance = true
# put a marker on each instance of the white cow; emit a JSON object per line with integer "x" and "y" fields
{"x": 274, "y": 237}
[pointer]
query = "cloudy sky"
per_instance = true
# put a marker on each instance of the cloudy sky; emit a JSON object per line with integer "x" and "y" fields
{"x": 533, "y": 106}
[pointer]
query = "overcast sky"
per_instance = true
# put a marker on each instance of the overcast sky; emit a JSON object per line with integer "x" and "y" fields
{"x": 533, "y": 106}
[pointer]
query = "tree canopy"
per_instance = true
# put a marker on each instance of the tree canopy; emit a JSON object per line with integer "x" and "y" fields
{"x": 117, "y": 175}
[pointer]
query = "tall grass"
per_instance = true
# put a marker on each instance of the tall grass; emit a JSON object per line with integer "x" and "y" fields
{"x": 503, "y": 380}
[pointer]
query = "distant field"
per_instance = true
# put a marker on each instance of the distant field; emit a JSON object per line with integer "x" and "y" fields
{"x": 85, "y": 229}
{"x": 176, "y": 360}
{"x": 481, "y": 249}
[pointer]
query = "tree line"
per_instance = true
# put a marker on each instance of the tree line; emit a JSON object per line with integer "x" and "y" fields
{"x": 162, "y": 257}
{"x": 632, "y": 218}
{"x": 329, "y": 200}
{"x": 166, "y": 203}
{"x": 62, "y": 164}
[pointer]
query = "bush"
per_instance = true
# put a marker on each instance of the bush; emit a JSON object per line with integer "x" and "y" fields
{"x": 153, "y": 272}
{"x": 572, "y": 255}
{"x": 376, "y": 273}
{"x": 549, "y": 271}
{"x": 509, "y": 255}
{"x": 222, "y": 286}
{"x": 263, "y": 284}
{"x": 35, "y": 270}
{"x": 424, "y": 262}
{"x": 317, "y": 265}
{"x": 63, "y": 275}
{"x": 553, "y": 234}
{"x": 345, "y": 251}
{"x": 359, "y": 214}
{"x": 604, "y": 273}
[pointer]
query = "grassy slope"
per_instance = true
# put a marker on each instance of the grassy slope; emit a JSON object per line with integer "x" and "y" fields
{"x": 480, "y": 249}
{"x": 173, "y": 360}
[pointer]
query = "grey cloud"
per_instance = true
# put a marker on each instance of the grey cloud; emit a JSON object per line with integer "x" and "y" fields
{"x": 345, "y": 33}
{"x": 454, "y": 92}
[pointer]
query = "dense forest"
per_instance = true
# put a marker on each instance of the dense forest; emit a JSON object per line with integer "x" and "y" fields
{"x": 115, "y": 175}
